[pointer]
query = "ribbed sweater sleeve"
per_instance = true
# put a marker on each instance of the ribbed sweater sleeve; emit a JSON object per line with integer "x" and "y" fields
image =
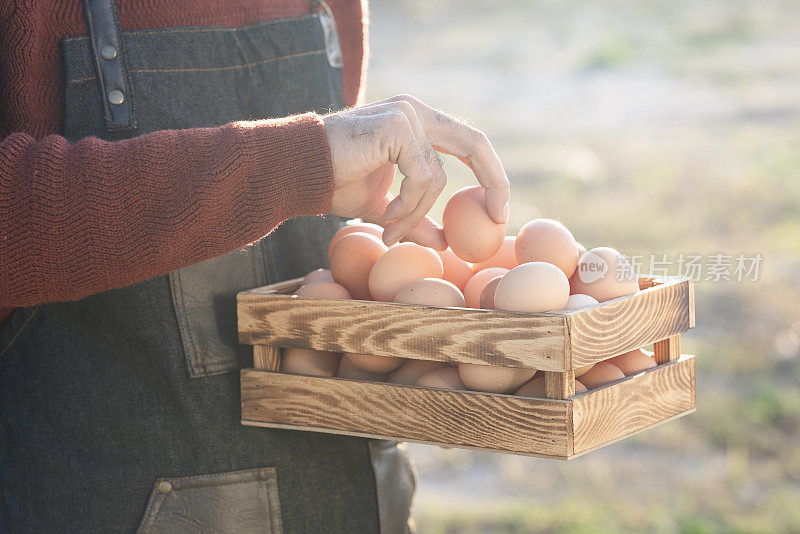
{"x": 77, "y": 219}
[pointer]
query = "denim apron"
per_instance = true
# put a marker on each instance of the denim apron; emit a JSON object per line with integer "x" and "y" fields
{"x": 120, "y": 412}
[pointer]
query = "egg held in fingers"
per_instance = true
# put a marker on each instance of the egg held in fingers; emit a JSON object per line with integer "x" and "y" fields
{"x": 468, "y": 228}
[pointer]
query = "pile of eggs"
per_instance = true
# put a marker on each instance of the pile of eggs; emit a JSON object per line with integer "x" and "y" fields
{"x": 540, "y": 269}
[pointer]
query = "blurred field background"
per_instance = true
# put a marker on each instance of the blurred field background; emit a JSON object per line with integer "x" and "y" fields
{"x": 661, "y": 126}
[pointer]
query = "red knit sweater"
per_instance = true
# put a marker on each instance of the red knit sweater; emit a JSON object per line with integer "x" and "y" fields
{"x": 70, "y": 222}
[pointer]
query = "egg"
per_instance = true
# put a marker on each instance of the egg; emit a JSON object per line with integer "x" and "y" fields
{"x": 505, "y": 257}
{"x": 473, "y": 289}
{"x": 401, "y": 265}
{"x": 580, "y": 371}
{"x": 535, "y": 388}
{"x": 469, "y": 230}
{"x": 549, "y": 241}
{"x": 352, "y": 259}
{"x": 318, "y": 275}
{"x": 364, "y": 228}
{"x": 375, "y": 364}
{"x": 605, "y": 274}
{"x": 431, "y": 292}
{"x": 493, "y": 379}
{"x": 323, "y": 290}
{"x": 456, "y": 270}
{"x": 348, "y": 369}
{"x": 578, "y": 301}
{"x": 411, "y": 370}
{"x": 532, "y": 287}
{"x": 310, "y": 362}
{"x": 600, "y": 374}
{"x": 442, "y": 378}
{"x": 633, "y": 362}
{"x": 486, "y": 301}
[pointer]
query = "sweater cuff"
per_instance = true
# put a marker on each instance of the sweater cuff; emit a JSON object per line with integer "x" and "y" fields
{"x": 290, "y": 171}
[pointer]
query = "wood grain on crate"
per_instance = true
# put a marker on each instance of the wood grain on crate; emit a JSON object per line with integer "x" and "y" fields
{"x": 557, "y": 341}
{"x": 630, "y": 322}
{"x": 486, "y": 337}
{"x": 624, "y": 408}
{"x": 455, "y": 418}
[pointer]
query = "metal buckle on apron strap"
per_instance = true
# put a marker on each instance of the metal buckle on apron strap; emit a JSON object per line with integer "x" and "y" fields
{"x": 332, "y": 48}
{"x": 109, "y": 59}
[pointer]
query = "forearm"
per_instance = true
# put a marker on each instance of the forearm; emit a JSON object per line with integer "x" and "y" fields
{"x": 77, "y": 219}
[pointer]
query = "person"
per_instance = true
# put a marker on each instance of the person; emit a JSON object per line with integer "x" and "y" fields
{"x": 147, "y": 150}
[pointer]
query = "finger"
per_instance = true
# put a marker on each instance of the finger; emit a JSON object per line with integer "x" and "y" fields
{"x": 428, "y": 234}
{"x": 452, "y": 136}
{"x": 404, "y": 150}
{"x": 411, "y": 193}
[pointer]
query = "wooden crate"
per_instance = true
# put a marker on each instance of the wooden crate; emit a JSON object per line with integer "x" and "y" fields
{"x": 563, "y": 425}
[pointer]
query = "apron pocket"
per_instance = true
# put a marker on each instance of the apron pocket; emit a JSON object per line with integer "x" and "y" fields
{"x": 237, "y": 502}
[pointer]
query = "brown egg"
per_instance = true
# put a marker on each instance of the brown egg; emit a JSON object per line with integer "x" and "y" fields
{"x": 411, "y": 370}
{"x": 600, "y": 374}
{"x": 535, "y": 388}
{"x": 319, "y": 275}
{"x": 493, "y": 379}
{"x": 468, "y": 228}
{"x": 506, "y": 257}
{"x": 375, "y": 364}
{"x": 580, "y": 371}
{"x": 364, "y": 228}
{"x": 547, "y": 240}
{"x": 310, "y": 362}
{"x": 431, "y": 292}
{"x": 532, "y": 287}
{"x": 401, "y": 265}
{"x": 323, "y": 290}
{"x": 352, "y": 260}
{"x": 605, "y": 274}
{"x": 442, "y": 378}
{"x": 348, "y": 369}
{"x": 633, "y": 362}
{"x": 487, "y": 295}
{"x": 456, "y": 270}
{"x": 474, "y": 288}
{"x": 532, "y": 388}
{"x": 578, "y": 301}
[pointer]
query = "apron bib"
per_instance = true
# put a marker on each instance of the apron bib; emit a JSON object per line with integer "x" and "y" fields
{"x": 120, "y": 412}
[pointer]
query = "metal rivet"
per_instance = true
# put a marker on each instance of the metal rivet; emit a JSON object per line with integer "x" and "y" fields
{"x": 108, "y": 52}
{"x": 116, "y": 97}
{"x": 164, "y": 487}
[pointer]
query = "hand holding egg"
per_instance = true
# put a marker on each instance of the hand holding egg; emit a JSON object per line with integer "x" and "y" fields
{"x": 367, "y": 142}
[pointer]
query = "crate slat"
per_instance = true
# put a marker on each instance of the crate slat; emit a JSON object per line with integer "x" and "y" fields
{"x": 454, "y": 418}
{"x": 555, "y": 341}
{"x": 386, "y": 329}
{"x": 551, "y": 428}
{"x": 619, "y": 410}
{"x": 630, "y": 322}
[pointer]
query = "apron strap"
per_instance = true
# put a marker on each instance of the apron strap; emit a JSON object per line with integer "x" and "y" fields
{"x": 109, "y": 60}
